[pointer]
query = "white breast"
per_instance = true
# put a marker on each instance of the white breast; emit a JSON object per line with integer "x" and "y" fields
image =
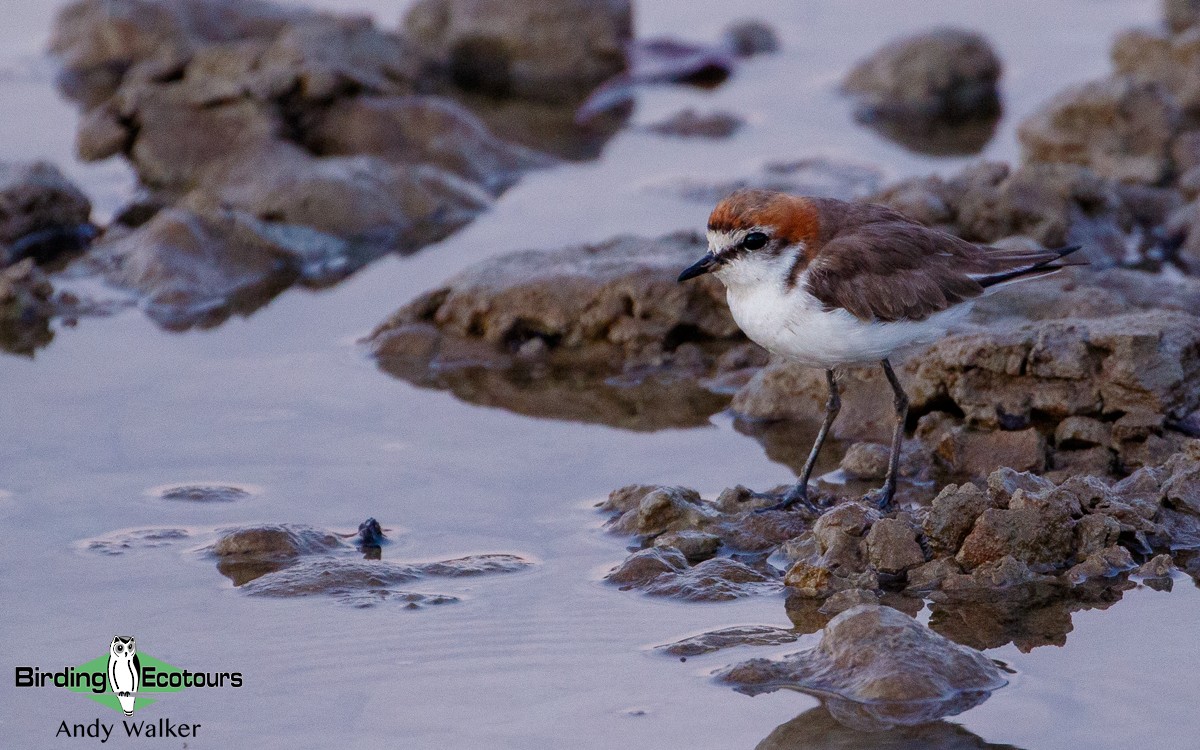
{"x": 793, "y": 324}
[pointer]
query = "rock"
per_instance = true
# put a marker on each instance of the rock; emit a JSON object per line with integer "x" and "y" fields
{"x": 1155, "y": 57}
{"x": 1159, "y": 566}
{"x": 1142, "y": 362}
{"x": 1003, "y": 482}
{"x": 27, "y": 303}
{"x": 202, "y": 493}
{"x": 787, "y": 391}
{"x": 644, "y": 566}
{"x": 688, "y": 123}
{"x": 422, "y": 130}
{"x": 893, "y": 546}
{"x": 662, "y": 510}
{"x": 973, "y": 453}
{"x": 1181, "y": 14}
{"x": 696, "y": 546}
{"x": 818, "y": 176}
{"x": 1094, "y": 533}
{"x": 876, "y": 668}
{"x": 602, "y": 309}
{"x": 41, "y": 213}
{"x": 365, "y": 582}
{"x": 945, "y": 73}
{"x": 663, "y": 571}
{"x": 930, "y": 576}
{"x": 198, "y": 267}
{"x": 751, "y": 37}
{"x": 1029, "y": 535}
{"x": 866, "y": 461}
{"x": 357, "y": 197}
{"x": 556, "y": 51}
{"x": 1120, "y": 127}
{"x": 717, "y": 640}
{"x": 1082, "y": 432}
{"x": 275, "y": 541}
{"x": 1054, "y": 204}
{"x": 130, "y": 540}
{"x": 1004, "y": 579}
{"x": 1105, "y": 563}
{"x": 840, "y": 534}
{"x": 951, "y": 516}
{"x": 844, "y": 600}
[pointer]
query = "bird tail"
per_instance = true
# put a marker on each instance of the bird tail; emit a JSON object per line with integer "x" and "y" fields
{"x": 1034, "y": 265}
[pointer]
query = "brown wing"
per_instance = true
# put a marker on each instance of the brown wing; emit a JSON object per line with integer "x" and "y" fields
{"x": 898, "y": 270}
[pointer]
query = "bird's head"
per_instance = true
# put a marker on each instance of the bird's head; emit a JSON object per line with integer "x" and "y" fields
{"x": 755, "y": 236}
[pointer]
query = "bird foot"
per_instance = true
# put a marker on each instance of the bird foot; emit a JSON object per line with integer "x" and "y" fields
{"x": 797, "y": 495}
{"x": 880, "y": 498}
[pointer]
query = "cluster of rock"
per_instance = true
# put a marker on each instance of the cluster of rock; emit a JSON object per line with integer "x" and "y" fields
{"x": 281, "y": 145}
{"x": 1020, "y": 544}
{"x": 934, "y": 92}
{"x": 286, "y": 560}
{"x": 294, "y": 560}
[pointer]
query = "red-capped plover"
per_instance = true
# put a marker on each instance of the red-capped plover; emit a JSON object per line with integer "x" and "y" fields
{"x": 827, "y": 283}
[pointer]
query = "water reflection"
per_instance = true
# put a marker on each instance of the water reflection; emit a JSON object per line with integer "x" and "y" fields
{"x": 817, "y": 729}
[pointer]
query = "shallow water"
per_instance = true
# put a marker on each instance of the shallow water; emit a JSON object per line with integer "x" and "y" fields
{"x": 287, "y": 402}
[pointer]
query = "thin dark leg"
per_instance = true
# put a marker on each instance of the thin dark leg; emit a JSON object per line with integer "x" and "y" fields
{"x": 799, "y": 493}
{"x": 900, "y": 402}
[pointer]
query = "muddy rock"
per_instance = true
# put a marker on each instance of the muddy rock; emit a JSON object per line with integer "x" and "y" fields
{"x": 689, "y": 123}
{"x": 664, "y": 509}
{"x": 1159, "y": 566}
{"x": 556, "y": 51}
{"x": 717, "y": 640}
{"x": 1104, "y": 563}
{"x": 41, "y": 213}
{"x": 696, "y": 546}
{"x": 787, "y": 391}
{"x": 952, "y": 515}
{"x": 893, "y": 546}
{"x": 27, "y": 304}
{"x": 877, "y": 668}
{"x": 422, "y": 130}
{"x": 943, "y": 73}
{"x": 866, "y": 461}
{"x": 366, "y": 582}
{"x": 605, "y": 310}
{"x": 975, "y": 453}
{"x": 1143, "y": 362}
{"x": 1094, "y": 533}
{"x": 133, "y": 540}
{"x": 1029, "y": 535}
{"x": 275, "y": 541}
{"x": 1004, "y": 579}
{"x": 1153, "y": 56}
{"x": 844, "y": 600}
{"x": 817, "y": 176}
{"x": 1053, "y": 204}
{"x": 1120, "y": 127}
{"x": 665, "y": 572}
{"x": 196, "y": 267}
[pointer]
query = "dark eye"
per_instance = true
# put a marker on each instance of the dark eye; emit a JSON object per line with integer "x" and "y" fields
{"x": 755, "y": 240}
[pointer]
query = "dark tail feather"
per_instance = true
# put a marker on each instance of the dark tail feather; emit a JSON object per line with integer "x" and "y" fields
{"x": 1041, "y": 268}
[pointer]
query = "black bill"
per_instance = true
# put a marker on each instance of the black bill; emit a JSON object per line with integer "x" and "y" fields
{"x": 699, "y": 268}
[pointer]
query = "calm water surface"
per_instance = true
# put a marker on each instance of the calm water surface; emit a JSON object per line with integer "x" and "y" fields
{"x": 289, "y": 402}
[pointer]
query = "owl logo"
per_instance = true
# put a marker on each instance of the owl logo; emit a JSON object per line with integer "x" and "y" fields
{"x": 124, "y": 671}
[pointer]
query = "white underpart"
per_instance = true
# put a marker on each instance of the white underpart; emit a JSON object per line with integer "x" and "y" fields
{"x": 794, "y": 324}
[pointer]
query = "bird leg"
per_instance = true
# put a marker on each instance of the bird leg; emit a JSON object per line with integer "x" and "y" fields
{"x": 799, "y": 493}
{"x": 883, "y": 496}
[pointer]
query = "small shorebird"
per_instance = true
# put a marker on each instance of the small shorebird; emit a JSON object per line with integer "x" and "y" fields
{"x": 827, "y": 283}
